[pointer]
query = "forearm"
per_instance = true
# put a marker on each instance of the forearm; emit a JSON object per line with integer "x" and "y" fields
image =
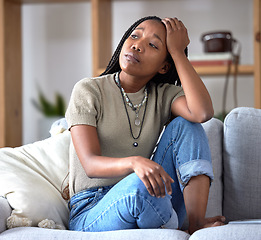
{"x": 106, "y": 167}
{"x": 86, "y": 143}
{"x": 198, "y": 99}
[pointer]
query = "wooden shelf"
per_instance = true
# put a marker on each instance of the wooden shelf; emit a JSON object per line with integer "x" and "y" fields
{"x": 222, "y": 70}
{"x": 46, "y": 1}
{"x": 10, "y": 74}
{"x": 101, "y": 35}
{"x": 212, "y": 70}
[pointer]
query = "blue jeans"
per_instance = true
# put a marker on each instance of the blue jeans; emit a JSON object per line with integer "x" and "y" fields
{"x": 182, "y": 151}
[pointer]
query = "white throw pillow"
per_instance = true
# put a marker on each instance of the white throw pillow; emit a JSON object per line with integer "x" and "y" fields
{"x": 31, "y": 178}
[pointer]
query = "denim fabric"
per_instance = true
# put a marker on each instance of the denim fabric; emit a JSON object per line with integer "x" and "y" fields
{"x": 182, "y": 151}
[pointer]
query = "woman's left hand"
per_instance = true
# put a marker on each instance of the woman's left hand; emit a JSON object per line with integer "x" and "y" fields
{"x": 196, "y": 105}
{"x": 177, "y": 36}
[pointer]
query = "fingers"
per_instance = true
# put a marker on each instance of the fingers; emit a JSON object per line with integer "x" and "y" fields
{"x": 147, "y": 184}
{"x": 168, "y": 180}
{"x": 177, "y": 38}
{"x": 173, "y": 23}
{"x": 156, "y": 183}
{"x": 153, "y": 176}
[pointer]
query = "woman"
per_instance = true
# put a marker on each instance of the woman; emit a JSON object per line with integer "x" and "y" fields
{"x": 115, "y": 121}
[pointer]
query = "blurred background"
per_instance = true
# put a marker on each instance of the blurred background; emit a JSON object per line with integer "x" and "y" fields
{"x": 57, "y": 46}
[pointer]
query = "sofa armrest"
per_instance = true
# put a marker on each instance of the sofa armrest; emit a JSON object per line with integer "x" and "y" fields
{"x": 5, "y": 212}
{"x": 214, "y": 132}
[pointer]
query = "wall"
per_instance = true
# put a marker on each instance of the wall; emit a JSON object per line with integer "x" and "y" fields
{"x": 56, "y": 54}
{"x": 57, "y": 45}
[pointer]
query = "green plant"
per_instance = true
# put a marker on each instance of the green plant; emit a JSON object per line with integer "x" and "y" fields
{"x": 221, "y": 116}
{"x": 48, "y": 108}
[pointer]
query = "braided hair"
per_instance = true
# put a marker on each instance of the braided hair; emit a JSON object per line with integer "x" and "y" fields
{"x": 171, "y": 76}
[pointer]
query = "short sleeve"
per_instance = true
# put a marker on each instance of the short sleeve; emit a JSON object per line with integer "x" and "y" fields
{"x": 84, "y": 106}
{"x": 167, "y": 94}
{"x": 179, "y": 93}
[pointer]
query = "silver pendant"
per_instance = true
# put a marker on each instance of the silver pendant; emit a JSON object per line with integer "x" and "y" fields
{"x": 137, "y": 121}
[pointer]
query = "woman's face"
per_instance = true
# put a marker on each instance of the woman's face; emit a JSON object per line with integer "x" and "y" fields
{"x": 144, "y": 53}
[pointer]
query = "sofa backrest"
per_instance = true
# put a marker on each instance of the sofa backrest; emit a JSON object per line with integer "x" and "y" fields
{"x": 242, "y": 164}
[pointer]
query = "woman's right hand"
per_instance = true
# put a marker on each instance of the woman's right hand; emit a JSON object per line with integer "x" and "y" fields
{"x": 153, "y": 176}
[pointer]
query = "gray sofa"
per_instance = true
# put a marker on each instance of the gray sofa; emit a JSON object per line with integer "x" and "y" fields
{"x": 235, "y": 193}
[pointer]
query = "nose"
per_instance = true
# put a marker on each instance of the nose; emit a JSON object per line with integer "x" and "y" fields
{"x": 137, "y": 46}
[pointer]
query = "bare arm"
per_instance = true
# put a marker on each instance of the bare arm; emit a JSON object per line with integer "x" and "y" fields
{"x": 196, "y": 105}
{"x": 87, "y": 146}
{"x": 86, "y": 143}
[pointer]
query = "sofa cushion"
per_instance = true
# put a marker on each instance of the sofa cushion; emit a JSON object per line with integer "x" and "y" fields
{"x": 229, "y": 231}
{"x": 5, "y": 211}
{"x": 214, "y": 131}
{"x": 135, "y": 234}
{"x": 242, "y": 164}
{"x": 31, "y": 178}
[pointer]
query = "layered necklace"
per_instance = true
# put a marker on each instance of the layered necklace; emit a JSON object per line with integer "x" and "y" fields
{"x": 136, "y": 108}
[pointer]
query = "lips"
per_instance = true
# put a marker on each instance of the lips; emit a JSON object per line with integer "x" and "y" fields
{"x": 132, "y": 57}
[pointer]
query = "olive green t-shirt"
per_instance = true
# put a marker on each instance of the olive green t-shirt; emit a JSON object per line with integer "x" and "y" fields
{"x": 98, "y": 102}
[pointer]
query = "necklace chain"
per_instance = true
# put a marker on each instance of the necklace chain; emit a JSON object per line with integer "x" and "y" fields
{"x": 135, "y": 107}
{"x": 117, "y": 80}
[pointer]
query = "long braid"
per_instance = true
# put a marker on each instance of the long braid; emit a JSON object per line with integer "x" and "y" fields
{"x": 170, "y": 77}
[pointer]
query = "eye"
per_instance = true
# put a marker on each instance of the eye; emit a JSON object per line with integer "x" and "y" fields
{"x": 133, "y": 36}
{"x": 153, "y": 45}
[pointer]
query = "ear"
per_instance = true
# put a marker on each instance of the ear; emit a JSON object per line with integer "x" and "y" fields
{"x": 165, "y": 68}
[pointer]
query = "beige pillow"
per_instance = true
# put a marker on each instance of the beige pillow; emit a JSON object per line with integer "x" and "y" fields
{"x": 31, "y": 178}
